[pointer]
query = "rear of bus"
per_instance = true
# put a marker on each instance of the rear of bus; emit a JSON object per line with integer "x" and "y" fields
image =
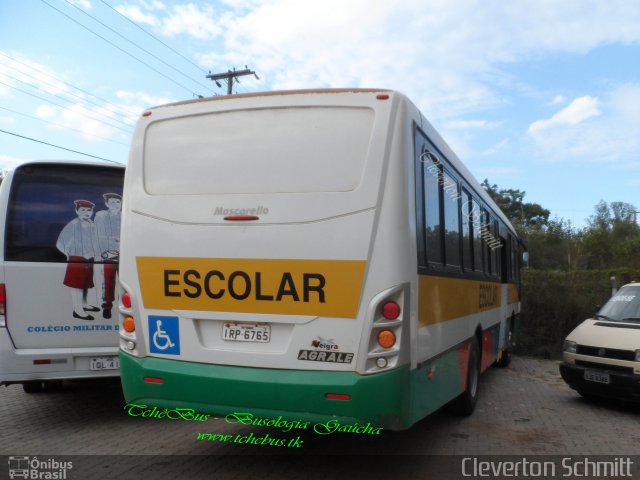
{"x": 267, "y": 257}
{"x": 58, "y": 267}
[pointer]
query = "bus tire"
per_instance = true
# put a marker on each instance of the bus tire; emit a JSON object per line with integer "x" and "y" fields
{"x": 34, "y": 386}
{"x": 505, "y": 357}
{"x": 465, "y": 403}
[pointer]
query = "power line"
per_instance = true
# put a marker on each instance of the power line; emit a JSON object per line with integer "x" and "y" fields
{"x": 119, "y": 48}
{"x": 62, "y": 106}
{"x": 63, "y": 126}
{"x": 58, "y": 146}
{"x": 153, "y": 36}
{"x": 127, "y": 125}
{"x": 135, "y": 45}
{"x": 133, "y": 115}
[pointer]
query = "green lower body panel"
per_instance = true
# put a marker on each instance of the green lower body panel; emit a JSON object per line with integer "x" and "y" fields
{"x": 382, "y": 399}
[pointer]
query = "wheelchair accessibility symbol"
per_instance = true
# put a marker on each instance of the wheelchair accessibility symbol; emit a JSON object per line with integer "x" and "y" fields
{"x": 165, "y": 335}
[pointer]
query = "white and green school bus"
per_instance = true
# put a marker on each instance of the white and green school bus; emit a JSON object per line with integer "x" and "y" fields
{"x": 311, "y": 255}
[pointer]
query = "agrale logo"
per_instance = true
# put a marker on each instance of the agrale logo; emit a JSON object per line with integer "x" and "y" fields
{"x": 324, "y": 344}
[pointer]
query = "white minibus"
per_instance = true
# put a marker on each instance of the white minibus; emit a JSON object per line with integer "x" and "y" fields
{"x": 312, "y": 255}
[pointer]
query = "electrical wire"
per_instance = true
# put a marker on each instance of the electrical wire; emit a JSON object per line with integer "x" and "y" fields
{"x": 135, "y": 45}
{"x": 64, "y": 126}
{"x": 119, "y": 48}
{"x": 62, "y": 106}
{"x": 155, "y": 38}
{"x": 133, "y": 115}
{"x": 58, "y": 146}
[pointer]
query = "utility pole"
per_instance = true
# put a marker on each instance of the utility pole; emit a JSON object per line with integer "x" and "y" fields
{"x": 230, "y": 76}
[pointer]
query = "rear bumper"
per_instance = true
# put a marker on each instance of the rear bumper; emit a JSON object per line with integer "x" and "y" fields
{"x": 381, "y": 399}
{"x": 621, "y": 385}
{"x": 17, "y": 365}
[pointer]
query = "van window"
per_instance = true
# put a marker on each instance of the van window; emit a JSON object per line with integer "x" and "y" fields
{"x": 44, "y": 199}
{"x": 623, "y": 306}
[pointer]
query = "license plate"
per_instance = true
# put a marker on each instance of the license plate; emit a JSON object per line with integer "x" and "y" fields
{"x": 246, "y": 332}
{"x": 104, "y": 363}
{"x": 596, "y": 376}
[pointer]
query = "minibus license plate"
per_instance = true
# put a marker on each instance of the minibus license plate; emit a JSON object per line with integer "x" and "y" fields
{"x": 246, "y": 332}
{"x": 104, "y": 363}
{"x": 596, "y": 376}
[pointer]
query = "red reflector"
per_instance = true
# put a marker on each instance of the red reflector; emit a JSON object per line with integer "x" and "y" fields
{"x": 241, "y": 218}
{"x": 42, "y": 362}
{"x": 3, "y": 299}
{"x": 391, "y": 310}
{"x": 126, "y": 300}
{"x": 146, "y": 114}
{"x": 382, "y": 96}
{"x": 337, "y": 396}
{"x": 153, "y": 380}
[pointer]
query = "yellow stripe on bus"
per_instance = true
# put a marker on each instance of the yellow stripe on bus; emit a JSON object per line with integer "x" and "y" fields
{"x": 272, "y": 286}
{"x": 514, "y": 296}
{"x": 444, "y": 298}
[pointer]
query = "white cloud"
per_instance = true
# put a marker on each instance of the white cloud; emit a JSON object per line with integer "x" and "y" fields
{"x": 135, "y": 13}
{"x": 557, "y": 100}
{"x": 9, "y": 163}
{"x": 138, "y": 102}
{"x": 82, "y": 119}
{"x": 86, "y": 4}
{"x": 198, "y": 22}
{"x": 577, "y": 111}
{"x": 608, "y": 129}
{"x": 501, "y": 145}
{"x": 465, "y": 124}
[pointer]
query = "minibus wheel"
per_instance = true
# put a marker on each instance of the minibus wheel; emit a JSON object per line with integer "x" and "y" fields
{"x": 465, "y": 403}
{"x": 34, "y": 386}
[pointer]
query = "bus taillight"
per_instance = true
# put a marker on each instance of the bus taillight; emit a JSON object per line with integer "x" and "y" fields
{"x": 3, "y": 302}
{"x": 126, "y": 300}
{"x": 390, "y": 310}
{"x": 386, "y": 338}
{"x": 129, "y": 324}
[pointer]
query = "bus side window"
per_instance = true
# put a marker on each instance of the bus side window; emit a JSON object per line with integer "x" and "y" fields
{"x": 433, "y": 228}
{"x": 467, "y": 243}
{"x": 477, "y": 241}
{"x": 451, "y": 220}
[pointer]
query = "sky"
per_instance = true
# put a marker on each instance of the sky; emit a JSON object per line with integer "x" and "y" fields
{"x": 537, "y": 95}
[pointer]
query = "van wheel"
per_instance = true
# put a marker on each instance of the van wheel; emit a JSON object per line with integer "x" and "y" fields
{"x": 465, "y": 403}
{"x": 34, "y": 386}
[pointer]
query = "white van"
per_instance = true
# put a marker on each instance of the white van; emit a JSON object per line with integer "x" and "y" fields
{"x": 602, "y": 354}
{"x": 59, "y": 253}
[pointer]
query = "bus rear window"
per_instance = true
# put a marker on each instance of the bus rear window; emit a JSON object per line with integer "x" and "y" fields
{"x": 284, "y": 150}
{"x": 45, "y": 198}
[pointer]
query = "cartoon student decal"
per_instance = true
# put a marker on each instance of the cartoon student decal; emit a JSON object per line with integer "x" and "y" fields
{"x": 77, "y": 241}
{"x": 107, "y": 223}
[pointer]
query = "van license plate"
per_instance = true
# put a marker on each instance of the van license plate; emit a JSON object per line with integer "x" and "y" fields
{"x": 596, "y": 376}
{"x": 246, "y": 332}
{"x": 104, "y": 363}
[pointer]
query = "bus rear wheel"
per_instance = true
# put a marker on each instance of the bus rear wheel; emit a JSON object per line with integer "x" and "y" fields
{"x": 465, "y": 403}
{"x": 34, "y": 386}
